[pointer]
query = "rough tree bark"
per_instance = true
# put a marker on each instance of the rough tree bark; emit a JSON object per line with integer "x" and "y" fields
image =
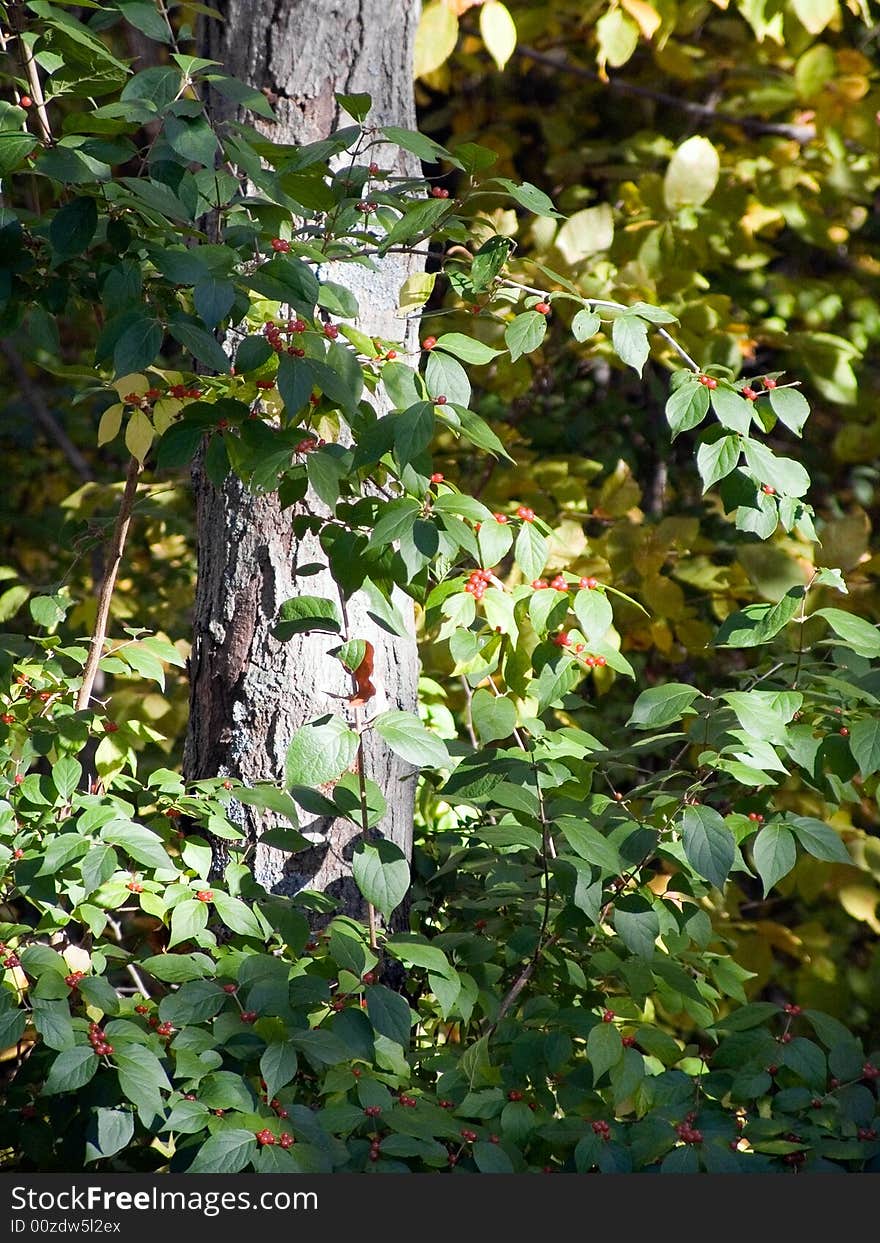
{"x": 249, "y": 693}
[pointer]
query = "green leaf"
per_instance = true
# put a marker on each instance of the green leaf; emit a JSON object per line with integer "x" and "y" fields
{"x": 525, "y": 333}
{"x": 396, "y": 519}
{"x": 856, "y": 632}
{"x": 213, "y": 299}
{"x": 225, "y": 1152}
{"x": 731, "y": 410}
{"x": 774, "y": 853}
{"x": 629, "y": 336}
{"x": 716, "y": 458}
{"x": 864, "y": 742}
{"x": 790, "y": 407}
{"x": 709, "y": 845}
{"x": 141, "y": 843}
{"x": 389, "y": 1013}
{"x": 637, "y": 924}
{"x": 759, "y": 623}
{"x": 419, "y": 220}
{"x": 302, "y": 614}
{"x": 252, "y": 353}
{"x": 531, "y": 551}
{"x": 200, "y": 344}
{"x": 589, "y": 844}
{"x": 593, "y": 610}
{"x": 488, "y": 261}
{"x": 528, "y": 196}
{"x": 320, "y": 752}
{"x": 819, "y": 839}
{"x": 238, "y": 916}
{"x": 494, "y": 717}
{"x": 15, "y": 147}
{"x": 71, "y": 1070}
{"x": 661, "y": 705}
{"x": 137, "y": 347}
{"x": 73, "y": 227}
{"x": 469, "y": 349}
{"x": 407, "y": 737}
{"x": 188, "y": 919}
{"x": 784, "y": 474}
{"x": 381, "y": 873}
{"x": 278, "y": 1065}
{"x": 604, "y": 1048}
{"x": 66, "y": 776}
{"x": 110, "y": 1132}
{"x": 491, "y": 1158}
{"x": 585, "y": 324}
{"x": 413, "y": 431}
{"x": 687, "y": 406}
{"x": 178, "y": 968}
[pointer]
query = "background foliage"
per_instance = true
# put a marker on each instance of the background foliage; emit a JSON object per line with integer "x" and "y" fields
{"x": 581, "y": 984}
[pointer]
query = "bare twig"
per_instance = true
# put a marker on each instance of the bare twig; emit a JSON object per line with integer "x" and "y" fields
{"x": 32, "y": 74}
{"x": 42, "y": 415}
{"x": 704, "y": 112}
{"x": 117, "y": 547}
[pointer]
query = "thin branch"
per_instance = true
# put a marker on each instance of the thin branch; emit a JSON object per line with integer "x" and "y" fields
{"x": 32, "y": 74}
{"x": 43, "y": 415}
{"x": 705, "y": 112}
{"x": 117, "y": 547}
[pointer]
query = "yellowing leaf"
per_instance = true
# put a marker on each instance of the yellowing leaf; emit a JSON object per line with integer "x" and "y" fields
{"x": 133, "y": 383}
{"x": 111, "y": 421}
{"x": 815, "y": 15}
{"x": 436, "y": 38}
{"x": 164, "y": 413}
{"x": 692, "y": 174}
{"x": 646, "y": 16}
{"x": 618, "y": 37}
{"x": 138, "y": 435}
{"x": 498, "y": 31}
{"x": 416, "y": 290}
{"x": 585, "y": 233}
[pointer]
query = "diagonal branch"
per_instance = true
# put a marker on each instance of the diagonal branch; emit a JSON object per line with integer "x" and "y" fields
{"x": 704, "y": 112}
{"x": 43, "y": 415}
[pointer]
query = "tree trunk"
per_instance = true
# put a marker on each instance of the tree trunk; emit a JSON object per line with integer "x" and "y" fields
{"x": 249, "y": 693}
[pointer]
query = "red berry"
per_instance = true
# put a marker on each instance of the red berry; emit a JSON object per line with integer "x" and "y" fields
{"x": 18, "y": 853}
{"x": 141, "y": 1009}
{"x": 439, "y": 193}
{"x": 590, "y": 584}
{"x": 331, "y": 331}
{"x": 502, "y": 518}
{"x": 514, "y": 1095}
{"x": 441, "y": 400}
{"x": 373, "y": 169}
{"x": 628, "y": 1041}
{"x": 767, "y": 490}
{"x": 749, "y": 394}
{"x": 369, "y": 977}
{"x": 12, "y": 960}
{"x": 205, "y": 895}
{"x": 429, "y": 343}
{"x": 286, "y": 1140}
{"x": 227, "y": 785}
{"x": 607, "y": 1016}
{"x": 790, "y": 1009}
{"x": 769, "y": 384}
{"x": 543, "y": 308}
{"x": 248, "y": 1016}
{"x": 391, "y": 355}
{"x": 526, "y": 514}
{"x": 559, "y": 583}
{"x": 230, "y": 988}
{"x": 265, "y": 1138}
{"x": 25, "y": 101}
{"x": 562, "y": 639}
{"x": 709, "y": 381}
{"x": 135, "y": 886}
{"x": 539, "y": 584}
{"x": 373, "y": 1111}
{"x": 8, "y": 718}
{"x": 844, "y": 731}
{"x": 164, "y": 1029}
{"x": 110, "y": 727}
{"x": 444, "y": 1104}
{"x": 437, "y": 477}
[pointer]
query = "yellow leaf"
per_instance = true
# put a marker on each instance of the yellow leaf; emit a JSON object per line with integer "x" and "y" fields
{"x": 692, "y": 174}
{"x": 645, "y": 15}
{"x": 164, "y": 413}
{"x": 860, "y": 901}
{"x": 436, "y": 38}
{"x": 585, "y": 233}
{"x": 498, "y": 31}
{"x": 815, "y": 15}
{"x": 618, "y": 37}
{"x": 416, "y": 290}
{"x": 111, "y": 421}
{"x": 131, "y": 384}
{"x": 139, "y": 435}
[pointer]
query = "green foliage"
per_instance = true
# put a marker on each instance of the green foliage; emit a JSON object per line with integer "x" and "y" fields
{"x": 568, "y": 991}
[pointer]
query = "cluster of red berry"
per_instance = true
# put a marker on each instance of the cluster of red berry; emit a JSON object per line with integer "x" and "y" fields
{"x": 367, "y": 206}
{"x": 372, "y": 1111}
{"x": 273, "y": 334}
{"x": 687, "y": 1133}
{"x": 408, "y": 1102}
{"x": 375, "y": 1145}
{"x": 602, "y": 1129}
{"x": 11, "y": 960}
{"x": 477, "y": 583}
{"x": 308, "y": 445}
{"x": 134, "y": 886}
{"x": 756, "y": 817}
{"x": 72, "y": 980}
{"x": 469, "y": 1137}
{"x": 205, "y": 895}
{"x": 526, "y": 514}
{"x": 280, "y": 245}
{"x": 98, "y": 1041}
